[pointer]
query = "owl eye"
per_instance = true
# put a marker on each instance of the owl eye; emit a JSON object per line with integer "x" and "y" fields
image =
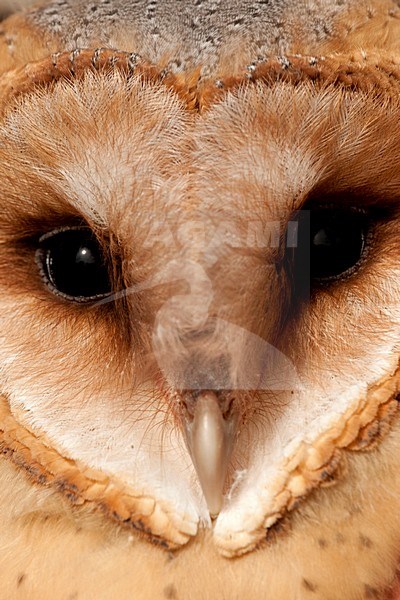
{"x": 331, "y": 244}
{"x": 337, "y": 242}
{"x": 72, "y": 264}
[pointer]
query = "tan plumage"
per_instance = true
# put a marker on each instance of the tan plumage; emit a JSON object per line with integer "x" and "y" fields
{"x": 188, "y": 138}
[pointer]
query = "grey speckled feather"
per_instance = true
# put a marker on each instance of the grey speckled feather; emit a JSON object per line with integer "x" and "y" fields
{"x": 189, "y": 32}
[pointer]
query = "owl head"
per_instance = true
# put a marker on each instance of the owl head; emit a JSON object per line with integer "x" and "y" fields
{"x": 200, "y": 289}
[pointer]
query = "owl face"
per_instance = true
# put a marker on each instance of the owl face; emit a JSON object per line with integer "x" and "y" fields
{"x": 199, "y": 308}
{"x": 200, "y": 312}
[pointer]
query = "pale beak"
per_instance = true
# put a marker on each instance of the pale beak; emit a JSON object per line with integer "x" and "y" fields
{"x": 211, "y": 431}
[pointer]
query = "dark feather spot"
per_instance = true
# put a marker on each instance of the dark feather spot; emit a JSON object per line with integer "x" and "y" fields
{"x": 170, "y": 556}
{"x": 365, "y": 541}
{"x": 370, "y": 592}
{"x": 307, "y": 585}
{"x": 20, "y": 579}
{"x": 170, "y": 592}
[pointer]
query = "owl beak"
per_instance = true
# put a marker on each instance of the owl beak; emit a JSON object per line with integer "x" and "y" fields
{"x": 210, "y": 427}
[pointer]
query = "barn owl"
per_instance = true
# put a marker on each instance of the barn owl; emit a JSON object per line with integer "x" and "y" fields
{"x": 200, "y": 300}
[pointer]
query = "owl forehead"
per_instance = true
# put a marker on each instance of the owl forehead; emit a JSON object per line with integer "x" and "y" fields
{"x": 113, "y": 148}
{"x": 121, "y": 152}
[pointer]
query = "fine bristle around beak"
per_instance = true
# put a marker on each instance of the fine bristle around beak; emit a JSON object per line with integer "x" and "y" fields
{"x": 210, "y": 435}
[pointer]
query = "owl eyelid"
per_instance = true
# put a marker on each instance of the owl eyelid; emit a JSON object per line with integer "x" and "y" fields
{"x": 48, "y": 235}
{"x": 351, "y": 209}
{"x": 353, "y": 202}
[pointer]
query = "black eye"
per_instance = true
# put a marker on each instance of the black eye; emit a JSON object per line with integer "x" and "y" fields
{"x": 331, "y": 243}
{"x": 72, "y": 264}
{"x": 337, "y": 241}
